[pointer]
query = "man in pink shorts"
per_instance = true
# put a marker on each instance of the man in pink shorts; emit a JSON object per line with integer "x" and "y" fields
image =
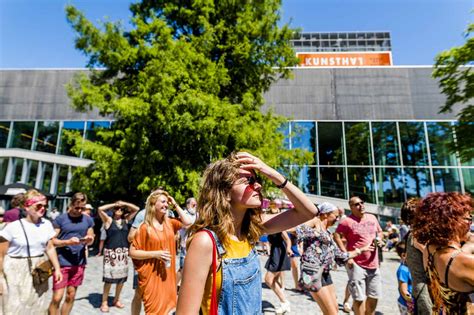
{"x": 73, "y": 233}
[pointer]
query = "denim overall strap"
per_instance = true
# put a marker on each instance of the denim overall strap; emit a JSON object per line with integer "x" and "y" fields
{"x": 220, "y": 248}
{"x": 241, "y": 291}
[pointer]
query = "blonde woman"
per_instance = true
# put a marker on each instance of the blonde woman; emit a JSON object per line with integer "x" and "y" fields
{"x": 153, "y": 251}
{"x": 27, "y": 239}
{"x": 229, "y": 208}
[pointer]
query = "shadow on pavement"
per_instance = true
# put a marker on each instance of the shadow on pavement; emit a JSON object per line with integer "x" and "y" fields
{"x": 95, "y": 299}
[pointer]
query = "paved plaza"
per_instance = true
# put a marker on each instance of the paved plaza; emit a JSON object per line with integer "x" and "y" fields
{"x": 89, "y": 295}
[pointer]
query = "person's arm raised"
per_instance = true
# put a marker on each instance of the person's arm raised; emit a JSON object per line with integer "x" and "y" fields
{"x": 186, "y": 219}
{"x": 197, "y": 266}
{"x": 303, "y": 210}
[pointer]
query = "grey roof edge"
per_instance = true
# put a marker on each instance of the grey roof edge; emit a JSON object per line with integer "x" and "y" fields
{"x": 45, "y": 157}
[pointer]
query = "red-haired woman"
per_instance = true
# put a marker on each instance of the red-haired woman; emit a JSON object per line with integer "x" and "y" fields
{"x": 442, "y": 223}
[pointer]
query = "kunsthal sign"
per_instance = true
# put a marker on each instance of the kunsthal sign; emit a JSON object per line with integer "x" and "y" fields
{"x": 349, "y": 59}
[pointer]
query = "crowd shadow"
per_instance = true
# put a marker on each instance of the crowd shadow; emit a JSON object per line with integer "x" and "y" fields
{"x": 95, "y": 299}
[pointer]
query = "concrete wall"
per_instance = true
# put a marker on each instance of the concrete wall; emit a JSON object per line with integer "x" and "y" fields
{"x": 389, "y": 93}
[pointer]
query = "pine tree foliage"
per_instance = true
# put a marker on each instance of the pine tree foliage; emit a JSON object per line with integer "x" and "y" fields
{"x": 185, "y": 86}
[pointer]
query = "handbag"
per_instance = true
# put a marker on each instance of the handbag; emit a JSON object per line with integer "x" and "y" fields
{"x": 43, "y": 270}
{"x": 311, "y": 276}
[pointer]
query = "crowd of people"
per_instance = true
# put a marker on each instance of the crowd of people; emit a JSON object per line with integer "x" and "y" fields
{"x": 205, "y": 259}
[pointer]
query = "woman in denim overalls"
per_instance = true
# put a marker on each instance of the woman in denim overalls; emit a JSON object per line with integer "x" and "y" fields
{"x": 229, "y": 206}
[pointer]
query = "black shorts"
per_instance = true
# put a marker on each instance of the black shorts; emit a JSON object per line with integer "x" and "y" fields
{"x": 326, "y": 279}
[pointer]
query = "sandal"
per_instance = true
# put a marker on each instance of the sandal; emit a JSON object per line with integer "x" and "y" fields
{"x": 104, "y": 308}
{"x": 118, "y": 304}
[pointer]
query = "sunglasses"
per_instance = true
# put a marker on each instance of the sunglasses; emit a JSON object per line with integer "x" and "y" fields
{"x": 253, "y": 179}
{"x": 40, "y": 206}
{"x": 80, "y": 208}
{"x": 358, "y": 204}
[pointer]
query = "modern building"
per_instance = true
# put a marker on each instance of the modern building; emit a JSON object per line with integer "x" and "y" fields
{"x": 373, "y": 131}
{"x": 341, "y": 41}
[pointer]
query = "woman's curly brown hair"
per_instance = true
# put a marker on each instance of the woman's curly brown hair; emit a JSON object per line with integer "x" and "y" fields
{"x": 214, "y": 209}
{"x": 440, "y": 218}
{"x": 407, "y": 212}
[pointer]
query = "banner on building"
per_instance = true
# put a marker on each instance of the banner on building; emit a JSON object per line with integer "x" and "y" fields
{"x": 345, "y": 59}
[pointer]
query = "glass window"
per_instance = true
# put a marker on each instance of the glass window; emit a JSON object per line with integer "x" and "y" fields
{"x": 62, "y": 179}
{"x": 307, "y": 179}
{"x": 47, "y": 176}
{"x": 390, "y": 186}
{"x": 468, "y": 176}
{"x": 413, "y": 141}
{"x": 22, "y": 134}
{"x": 4, "y": 129}
{"x": 284, "y": 129}
{"x": 93, "y": 127}
{"x": 47, "y": 136}
{"x": 464, "y": 135}
{"x": 31, "y": 172}
{"x": 303, "y": 136}
{"x": 17, "y": 170}
{"x": 361, "y": 183}
{"x": 3, "y": 170}
{"x": 440, "y": 136}
{"x": 358, "y": 143}
{"x": 446, "y": 179}
{"x": 417, "y": 182}
{"x": 65, "y": 146}
{"x": 385, "y": 143}
{"x": 332, "y": 182}
{"x": 330, "y": 143}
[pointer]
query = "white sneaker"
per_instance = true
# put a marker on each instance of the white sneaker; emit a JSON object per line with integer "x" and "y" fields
{"x": 284, "y": 308}
{"x": 346, "y": 308}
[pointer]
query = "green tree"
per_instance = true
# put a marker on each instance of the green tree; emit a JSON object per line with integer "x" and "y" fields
{"x": 184, "y": 85}
{"x": 456, "y": 80}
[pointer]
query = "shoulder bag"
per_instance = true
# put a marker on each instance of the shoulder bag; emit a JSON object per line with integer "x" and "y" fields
{"x": 213, "y": 310}
{"x": 43, "y": 270}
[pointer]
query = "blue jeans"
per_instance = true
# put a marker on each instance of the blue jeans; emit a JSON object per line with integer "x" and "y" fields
{"x": 241, "y": 291}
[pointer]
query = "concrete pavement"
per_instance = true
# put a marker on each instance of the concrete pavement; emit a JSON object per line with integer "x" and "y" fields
{"x": 89, "y": 295}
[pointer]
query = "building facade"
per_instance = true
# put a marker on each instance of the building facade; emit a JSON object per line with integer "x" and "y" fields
{"x": 374, "y": 132}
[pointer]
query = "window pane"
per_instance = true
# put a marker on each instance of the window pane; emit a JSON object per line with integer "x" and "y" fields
{"x": 332, "y": 182}
{"x": 93, "y": 127}
{"x": 361, "y": 183}
{"x": 62, "y": 179}
{"x": 417, "y": 182}
{"x": 358, "y": 143}
{"x": 385, "y": 143}
{"x": 32, "y": 172}
{"x": 330, "y": 143}
{"x": 307, "y": 179}
{"x": 468, "y": 176}
{"x": 4, "y": 129}
{"x": 440, "y": 135}
{"x": 3, "y": 170}
{"x": 47, "y": 136}
{"x": 446, "y": 180}
{"x": 284, "y": 129}
{"x": 65, "y": 147}
{"x": 23, "y": 134}
{"x": 303, "y": 137}
{"x": 17, "y": 170}
{"x": 47, "y": 175}
{"x": 464, "y": 135}
{"x": 390, "y": 186}
{"x": 412, "y": 138}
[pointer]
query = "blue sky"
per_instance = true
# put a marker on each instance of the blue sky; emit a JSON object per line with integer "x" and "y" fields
{"x": 35, "y": 34}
